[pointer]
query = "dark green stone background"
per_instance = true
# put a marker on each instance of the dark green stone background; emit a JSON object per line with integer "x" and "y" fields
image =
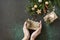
{"x": 12, "y": 17}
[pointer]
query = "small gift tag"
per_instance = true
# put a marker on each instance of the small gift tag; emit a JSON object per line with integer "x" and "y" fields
{"x": 32, "y": 24}
{"x": 49, "y": 18}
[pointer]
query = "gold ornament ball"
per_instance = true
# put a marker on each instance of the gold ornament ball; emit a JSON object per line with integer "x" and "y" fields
{"x": 46, "y": 2}
{"x": 35, "y": 6}
{"x": 40, "y": 1}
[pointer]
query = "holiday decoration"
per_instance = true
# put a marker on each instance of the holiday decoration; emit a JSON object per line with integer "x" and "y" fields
{"x": 35, "y": 6}
{"x": 43, "y": 8}
{"x": 46, "y": 2}
{"x": 42, "y": 5}
{"x": 39, "y": 1}
{"x": 38, "y": 11}
{"x": 46, "y": 6}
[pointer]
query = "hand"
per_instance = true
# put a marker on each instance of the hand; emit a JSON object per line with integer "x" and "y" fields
{"x": 26, "y": 32}
{"x": 37, "y": 32}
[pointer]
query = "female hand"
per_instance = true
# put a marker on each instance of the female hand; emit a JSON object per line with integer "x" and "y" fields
{"x": 37, "y": 32}
{"x": 26, "y": 32}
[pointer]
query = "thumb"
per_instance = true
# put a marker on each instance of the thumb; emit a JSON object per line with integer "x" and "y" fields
{"x": 40, "y": 24}
{"x": 25, "y": 24}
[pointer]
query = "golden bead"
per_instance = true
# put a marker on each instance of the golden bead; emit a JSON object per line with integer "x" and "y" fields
{"x": 35, "y": 6}
{"x": 46, "y": 2}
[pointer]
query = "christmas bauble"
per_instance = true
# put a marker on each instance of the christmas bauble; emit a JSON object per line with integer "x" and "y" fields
{"x": 46, "y": 2}
{"x": 35, "y": 6}
{"x": 40, "y": 1}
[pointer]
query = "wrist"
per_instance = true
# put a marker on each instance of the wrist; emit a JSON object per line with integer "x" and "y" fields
{"x": 25, "y": 38}
{"x": 32, "y": 38}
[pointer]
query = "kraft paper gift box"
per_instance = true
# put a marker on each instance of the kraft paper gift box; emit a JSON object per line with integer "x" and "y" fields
{"x": 33, "y": 25}
{"x": 51, "y": 17}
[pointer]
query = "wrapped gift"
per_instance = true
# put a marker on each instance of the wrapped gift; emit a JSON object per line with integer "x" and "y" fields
{"x": 33, "y": 25}
{"x": 50, "y": 17}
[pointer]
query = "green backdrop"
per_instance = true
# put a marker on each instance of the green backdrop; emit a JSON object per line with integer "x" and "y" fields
{"x": 12, "y": 17}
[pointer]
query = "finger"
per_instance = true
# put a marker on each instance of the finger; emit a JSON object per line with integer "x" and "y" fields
{"x": 35, "y": 34}
{"x": 25, "y": 24}
{"x": 26, "y": 31}
{"x": 38, "y": 31}
{"x": 40, "y": 24}
{"x": 40, "y": 21}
